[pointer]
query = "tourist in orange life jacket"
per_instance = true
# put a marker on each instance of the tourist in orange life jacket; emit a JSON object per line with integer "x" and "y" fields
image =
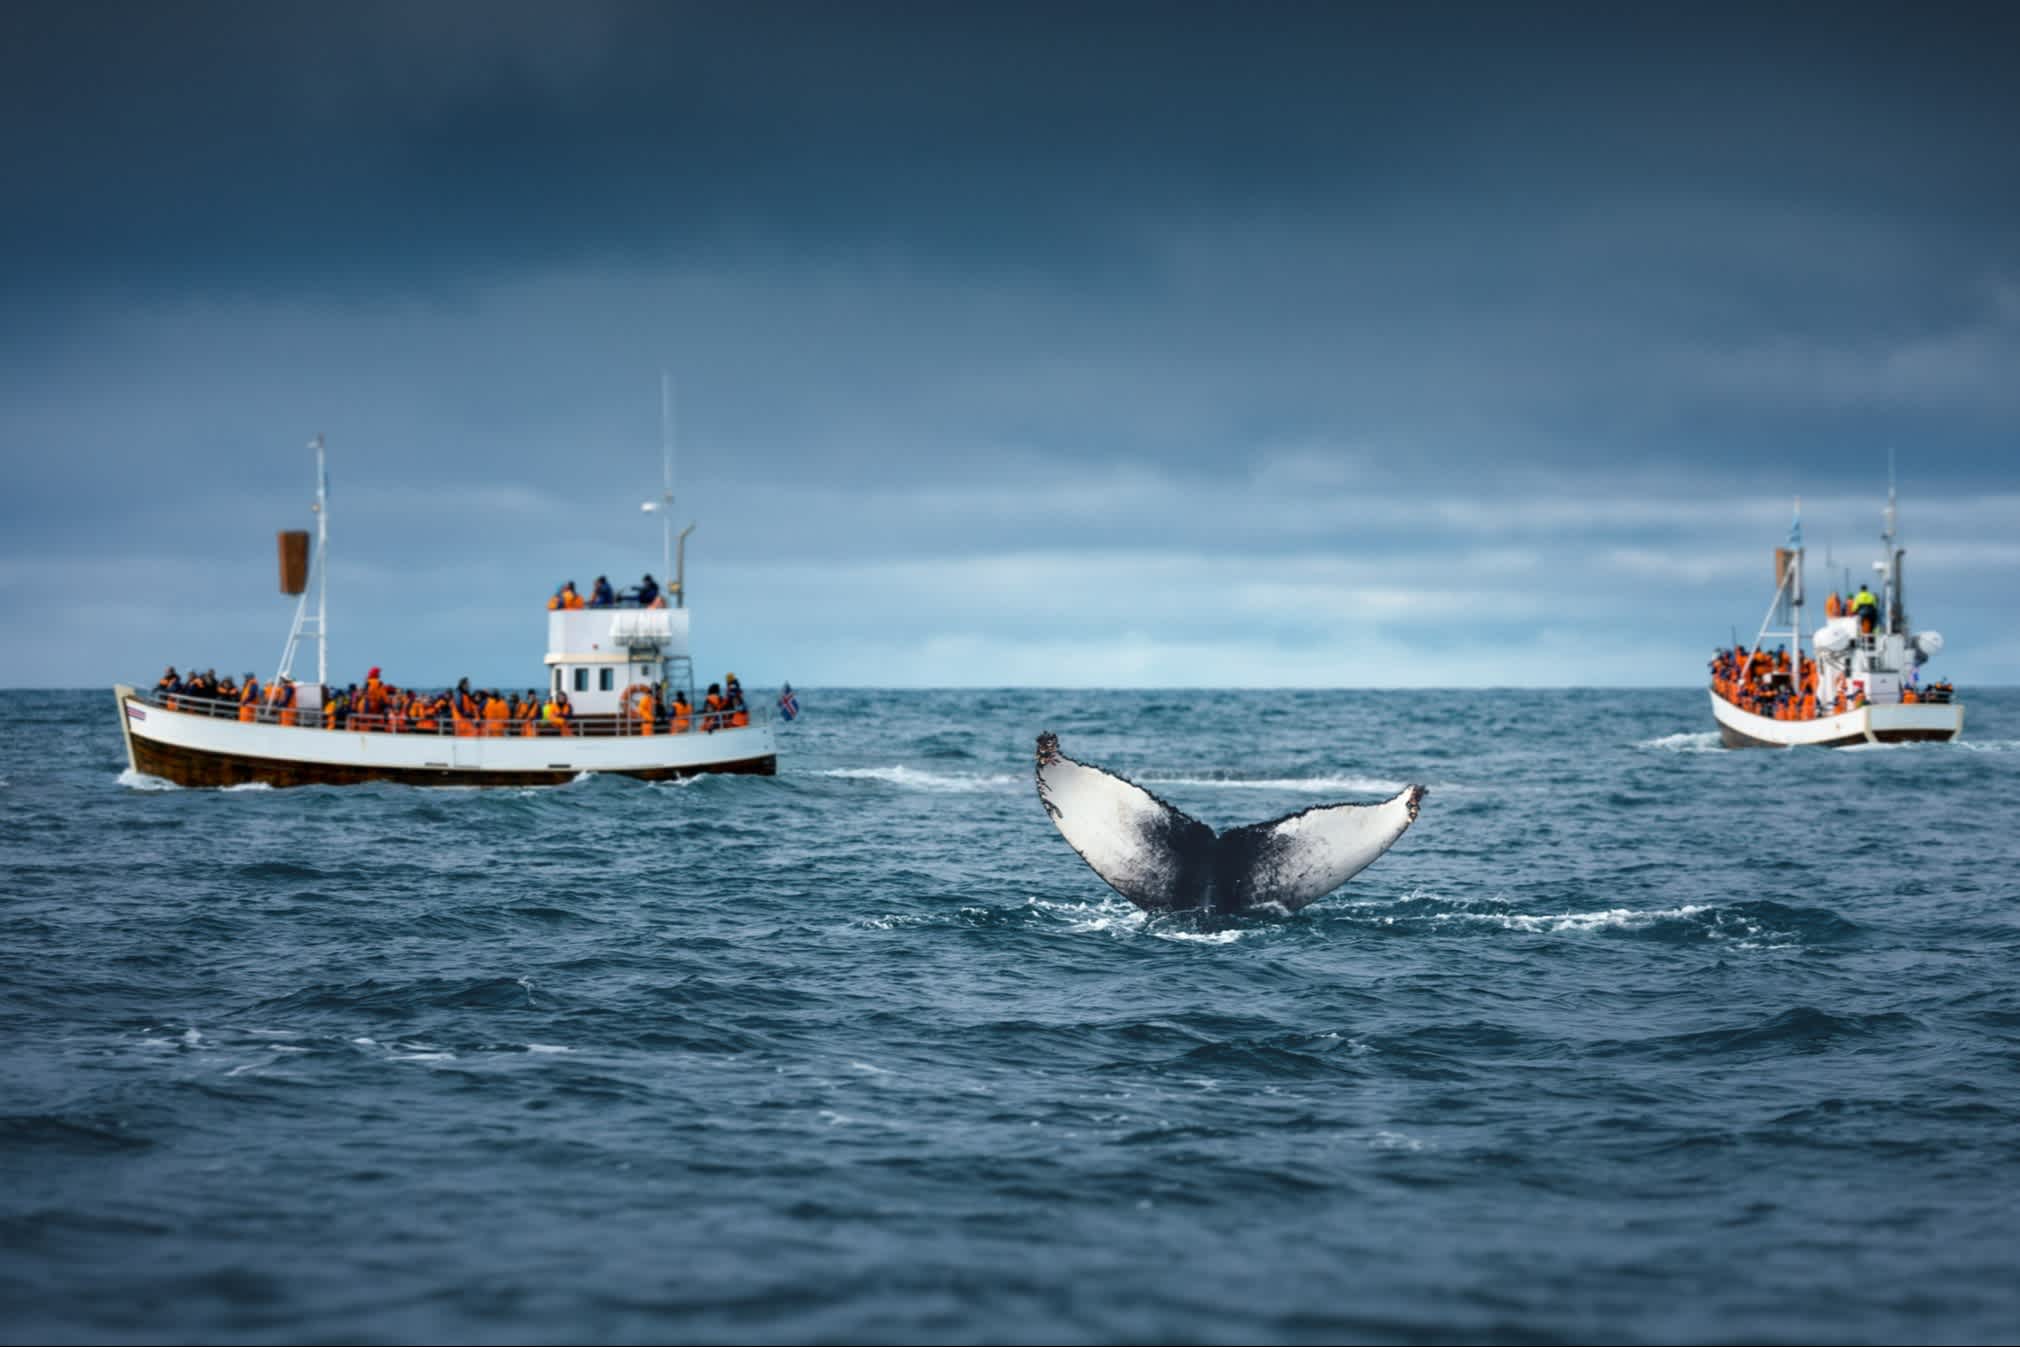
{"x": 1834, "y": 606}
{"x": 285, "y": 702}
{"x": 466, "y": 703}
{"x": 683, "y": 712}
{"x": 565, "y": 597}
{"x": 712, "y": 708}
{"x": 644, "y": 710}
{"x": 732, "y": 696}
{"x": 249, "y": 699}
{"x": 495, "y": 713}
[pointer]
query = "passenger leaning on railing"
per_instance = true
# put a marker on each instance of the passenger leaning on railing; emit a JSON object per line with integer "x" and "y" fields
{"x": 681, "y": 719}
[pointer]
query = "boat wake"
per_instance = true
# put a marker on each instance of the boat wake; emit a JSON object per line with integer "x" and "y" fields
{"x": 133, "y": 780}
{"x": 912, "y": 778}
{"x": 1704, "y": 741}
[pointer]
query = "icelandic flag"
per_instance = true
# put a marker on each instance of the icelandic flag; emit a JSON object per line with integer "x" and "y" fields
{"x": 789, "y": 705}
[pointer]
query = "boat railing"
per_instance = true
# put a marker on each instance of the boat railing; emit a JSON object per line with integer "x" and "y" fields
{"x": 447, "y": 726}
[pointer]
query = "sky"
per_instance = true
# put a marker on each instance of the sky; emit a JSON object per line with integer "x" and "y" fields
{"x": 1059, "y": 345}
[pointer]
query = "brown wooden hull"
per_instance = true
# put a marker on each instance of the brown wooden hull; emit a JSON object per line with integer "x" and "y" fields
{"x": 203, "y": 767}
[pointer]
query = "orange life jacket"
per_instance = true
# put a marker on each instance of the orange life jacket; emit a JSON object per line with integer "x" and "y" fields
{"x": 681, "y": 713}
{"x": 495, "y": 712}
{"x": 739, "y": 718}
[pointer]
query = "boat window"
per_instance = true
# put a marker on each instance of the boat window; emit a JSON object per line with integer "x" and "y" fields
{"x": 581, "y": 679}
{"x": 607, "y": 681}
{"x": 557, "y": 678}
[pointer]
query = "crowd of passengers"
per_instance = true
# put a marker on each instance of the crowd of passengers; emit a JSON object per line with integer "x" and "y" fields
{"x": 601, "y": 595}
{"x": 1769, "y": 683}
{"x": 463, "y": 710}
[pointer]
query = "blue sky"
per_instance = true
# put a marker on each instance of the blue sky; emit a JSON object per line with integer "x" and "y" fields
{"x": 1113, "y": 345}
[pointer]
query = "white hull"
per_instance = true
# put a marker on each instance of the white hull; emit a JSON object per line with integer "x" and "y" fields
{"x": 1872, "y": 724}
{"x": 201, "y": 750}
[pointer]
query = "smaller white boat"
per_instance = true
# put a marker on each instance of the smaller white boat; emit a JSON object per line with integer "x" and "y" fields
{"x": 1862, "y": 681}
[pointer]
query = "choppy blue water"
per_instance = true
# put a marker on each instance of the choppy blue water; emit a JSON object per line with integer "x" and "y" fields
{"x": 1629, "y": 1038}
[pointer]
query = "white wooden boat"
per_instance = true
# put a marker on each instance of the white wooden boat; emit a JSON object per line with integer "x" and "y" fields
{"x": 602, "y": 658}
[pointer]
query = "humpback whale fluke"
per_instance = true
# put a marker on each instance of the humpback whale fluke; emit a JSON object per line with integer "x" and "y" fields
{"x": 1163, "y": 861}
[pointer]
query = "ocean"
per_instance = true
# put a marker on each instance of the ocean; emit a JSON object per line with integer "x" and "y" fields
{"x": 1630, "y": 1038}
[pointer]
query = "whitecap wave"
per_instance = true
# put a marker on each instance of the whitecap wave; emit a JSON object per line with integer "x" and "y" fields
{"x": 1696, "y": 741}
{"x": 912, "y": 778}
{"x": 133, "y": 780}
{"x": 1616, "y": 918}
{"x": 245, "y": 785}
{"x": 1301, "y": 785}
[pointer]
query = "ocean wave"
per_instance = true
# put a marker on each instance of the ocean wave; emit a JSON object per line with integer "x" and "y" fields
{"x": 133, "y": 780}
{"x": 1695, "y": 741}
{"x": 1553, "y": 923}
{"x": 912, "y": 778}
{"x": 1308, "y": 785}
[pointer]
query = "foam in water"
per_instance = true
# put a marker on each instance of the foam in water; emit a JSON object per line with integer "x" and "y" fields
{"x": 1697, "y": 741}
{"x": 912, "y": 778}
{"x": 1618, "y": 919}
{"x": 1306, "y": 785}
{"x": 133, "y": 780}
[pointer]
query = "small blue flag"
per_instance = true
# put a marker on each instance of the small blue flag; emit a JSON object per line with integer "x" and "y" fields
{"x": 789, "y": 705}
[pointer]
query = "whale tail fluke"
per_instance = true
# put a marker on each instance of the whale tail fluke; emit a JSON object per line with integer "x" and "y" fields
{"x": 1162, "y": 860}
{"x": 1302, "y": 857}
{"x": 1147, "y": 851}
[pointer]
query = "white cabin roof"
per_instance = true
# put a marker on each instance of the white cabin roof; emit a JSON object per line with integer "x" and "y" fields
{"x": 599, "y": 634}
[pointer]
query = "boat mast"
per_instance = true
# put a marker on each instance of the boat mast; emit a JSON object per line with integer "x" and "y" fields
{"x": 322, "y": 566}
{"x": 666, "y": 477}
{"x": 1796, "y": 588}
{"x": 320, "y": 562}
{"x": 1890, "y": 599}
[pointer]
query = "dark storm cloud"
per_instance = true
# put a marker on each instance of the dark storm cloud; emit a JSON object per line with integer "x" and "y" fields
{"x": 1005, "y": 332}
{"x": 368, "y": 147}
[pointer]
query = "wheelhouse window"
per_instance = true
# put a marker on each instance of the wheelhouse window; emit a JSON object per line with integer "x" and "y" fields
{"x": 581, "y": 679}
{"x": 606, "y": 680}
